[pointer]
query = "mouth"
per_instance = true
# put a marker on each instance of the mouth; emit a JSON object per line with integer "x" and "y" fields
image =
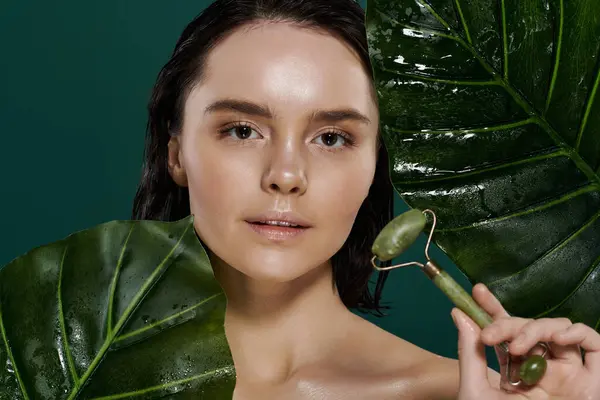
{"x": 278, "y": 229}
{"x": 283, "y": 224}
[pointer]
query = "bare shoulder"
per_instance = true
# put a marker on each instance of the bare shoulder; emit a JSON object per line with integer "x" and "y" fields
{"x": 401, "y": 368}
{"x": 409, "y": 371}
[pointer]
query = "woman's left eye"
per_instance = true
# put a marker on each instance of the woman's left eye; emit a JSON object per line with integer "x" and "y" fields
{"x": 334, "y": 140}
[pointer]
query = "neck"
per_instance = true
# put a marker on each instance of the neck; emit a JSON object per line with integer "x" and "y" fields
{"x": 274, "y": 329}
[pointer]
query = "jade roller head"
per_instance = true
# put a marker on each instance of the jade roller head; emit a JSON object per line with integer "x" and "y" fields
{"x": 398, "y": 235}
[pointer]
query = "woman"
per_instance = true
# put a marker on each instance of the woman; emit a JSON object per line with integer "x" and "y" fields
{"x": 264, "y": 125}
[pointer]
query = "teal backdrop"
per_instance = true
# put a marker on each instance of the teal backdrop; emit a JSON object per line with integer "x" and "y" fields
{"x": 76, "y": 77}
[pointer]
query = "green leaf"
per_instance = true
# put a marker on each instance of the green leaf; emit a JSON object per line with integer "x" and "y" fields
{"x": 490, "y": 111}
{"x": 127, "y": 309}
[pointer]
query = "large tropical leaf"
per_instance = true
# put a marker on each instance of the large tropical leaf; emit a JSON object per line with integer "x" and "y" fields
{"x": 127, "y": 309}
{"x": 489, "y": 109}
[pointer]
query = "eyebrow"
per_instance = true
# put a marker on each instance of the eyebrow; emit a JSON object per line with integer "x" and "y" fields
{"x": 241, "y": 106}
{"x": 345, "y": 114}
{"x": 249, "y": 108}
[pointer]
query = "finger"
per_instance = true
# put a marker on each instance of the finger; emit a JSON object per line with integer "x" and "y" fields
{"x": 471, "y": 355}
{"x": 486, "y": 299}
{"x": 586, "y": 337}
{"x": 503, "y": 329}
{"x": 524, "y": 335}
{"x": 543, "y": 330}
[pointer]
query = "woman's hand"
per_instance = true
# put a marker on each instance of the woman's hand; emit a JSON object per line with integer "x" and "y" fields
{"x": 567, "y": 376}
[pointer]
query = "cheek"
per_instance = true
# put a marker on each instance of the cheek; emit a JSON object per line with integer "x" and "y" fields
{"x": 342, "y": 192}
{"x": 216, "y": 183}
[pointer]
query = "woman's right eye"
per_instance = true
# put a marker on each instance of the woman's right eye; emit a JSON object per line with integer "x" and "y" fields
{"x": 241, "y": 132}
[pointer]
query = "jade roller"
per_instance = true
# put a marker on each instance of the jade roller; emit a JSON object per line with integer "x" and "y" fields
{"x": 399, "y": 235}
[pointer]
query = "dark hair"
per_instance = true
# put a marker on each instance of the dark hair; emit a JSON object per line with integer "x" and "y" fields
{"x": 158, "y": 197}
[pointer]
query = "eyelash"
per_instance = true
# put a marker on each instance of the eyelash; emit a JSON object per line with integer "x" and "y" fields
{"x": 348, "y": 139}
{"x": 224, "y": 132}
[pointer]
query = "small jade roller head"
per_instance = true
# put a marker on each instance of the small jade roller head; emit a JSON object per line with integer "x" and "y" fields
{"x": 399, "y": 234}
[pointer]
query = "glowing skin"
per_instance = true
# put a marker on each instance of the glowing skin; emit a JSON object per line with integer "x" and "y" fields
{"x": 283, "y": 165}
{"x": 289, "y": 333}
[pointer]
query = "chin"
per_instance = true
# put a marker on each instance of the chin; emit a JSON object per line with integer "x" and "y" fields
{"x": 280, "y": 267}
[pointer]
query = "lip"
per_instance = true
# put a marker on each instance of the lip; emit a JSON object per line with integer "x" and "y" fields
{"x": 288, "y": 217}
{"x": 279, "y": 233}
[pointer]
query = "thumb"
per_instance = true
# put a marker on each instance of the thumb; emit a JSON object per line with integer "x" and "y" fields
{"x": 471, "y": 356}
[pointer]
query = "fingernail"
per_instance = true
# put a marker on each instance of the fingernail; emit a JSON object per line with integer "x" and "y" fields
{"x": 459, "y": 319}
{"x": 454, "y": 318}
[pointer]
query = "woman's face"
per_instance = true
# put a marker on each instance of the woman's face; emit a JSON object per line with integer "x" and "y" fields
{"x": 282, "y": 126}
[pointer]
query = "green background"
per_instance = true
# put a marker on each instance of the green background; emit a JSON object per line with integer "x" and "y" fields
{"x": 75, "y": 80}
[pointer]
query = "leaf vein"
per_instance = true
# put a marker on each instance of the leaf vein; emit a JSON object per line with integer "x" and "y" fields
{"x": 504, "y": 40}
{"x": 436, "y": 15}
{"x": 456, "y": 37}
{"x": 137, "y": 298}
{"x": 588, "y": 108}
{"x": 11, "y": 357}
{"x": 463, "y": 21}
{"x": 520, "y": 100}
{"x": 561, "y": 20}
{"x": 61, "y": 318}
{"x": 113, "y": 285}
{"x": 595, "y": 264}
{"x": 429, "y": 31}
{"x": 166, "y": 385}
{"x": 491, "y": 82}
{"x": 150, "y": 326}
{"x": 528, "y": 210}
{"x": 558, "y": 246}
{"x": 493, "y": 128}
{"x": 459, "y": 174}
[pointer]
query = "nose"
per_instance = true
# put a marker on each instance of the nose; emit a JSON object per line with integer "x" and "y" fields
{"x": 286, "y": 171}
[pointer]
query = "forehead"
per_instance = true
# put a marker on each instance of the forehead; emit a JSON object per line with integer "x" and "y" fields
{"x": 287, "y": 66}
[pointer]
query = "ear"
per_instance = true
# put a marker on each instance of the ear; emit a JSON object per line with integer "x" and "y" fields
{"x": 175, "y": 162}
